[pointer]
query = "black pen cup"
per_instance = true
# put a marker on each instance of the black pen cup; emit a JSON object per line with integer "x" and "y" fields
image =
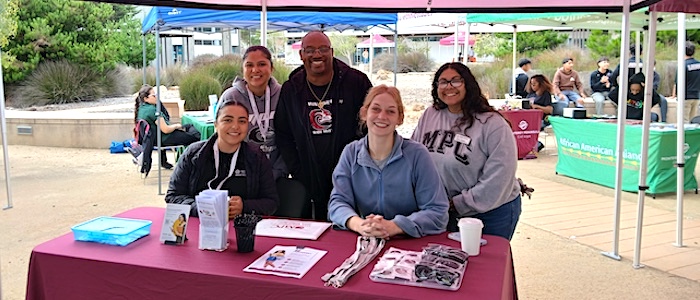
{"x": 245, "y": 238}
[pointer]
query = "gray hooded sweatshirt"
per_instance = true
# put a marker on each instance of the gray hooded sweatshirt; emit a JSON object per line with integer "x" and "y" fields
{"x": 267, "y": 144}
{"x": 477, "y": 167}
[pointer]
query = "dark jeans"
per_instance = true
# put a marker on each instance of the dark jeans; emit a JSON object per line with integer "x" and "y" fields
{"x": 500, "y": 221}
{"x": 177, "y": 137}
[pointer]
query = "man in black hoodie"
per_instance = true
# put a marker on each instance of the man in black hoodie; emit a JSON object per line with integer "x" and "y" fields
{"x": 317, "y": 116}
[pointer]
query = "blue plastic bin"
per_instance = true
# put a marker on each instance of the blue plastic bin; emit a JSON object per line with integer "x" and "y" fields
{"x": 111, "y": 230}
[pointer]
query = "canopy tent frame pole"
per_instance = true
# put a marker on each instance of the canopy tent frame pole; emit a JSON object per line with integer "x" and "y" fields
{"x": 263, "y": 24}
{"x": 158, "y": 107}
{"x": 680, "y": 135}
{"x": 6, "y": 156}
{"x": 143, "y": 52}
{"x": 621, "y": 121}
{"x": 455, "y": 48}
{"x": 396, "y": 52}
{"x": 371, "y": 54}
{"x": 637, "y": 52}
{"x": 648, "y": 92}
{"x": 467, "y": 34}
{"x": 515, "y": 53}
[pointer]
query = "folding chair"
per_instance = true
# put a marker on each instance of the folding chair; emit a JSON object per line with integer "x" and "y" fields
{"x": 145, "y": 136}
{"x": 293, "y": 198}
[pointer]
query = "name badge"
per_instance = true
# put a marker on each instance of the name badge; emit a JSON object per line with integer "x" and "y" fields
{"x": 463, "y": 139}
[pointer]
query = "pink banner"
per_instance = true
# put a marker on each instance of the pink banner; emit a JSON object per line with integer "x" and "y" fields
{"x": 526, "y": 129}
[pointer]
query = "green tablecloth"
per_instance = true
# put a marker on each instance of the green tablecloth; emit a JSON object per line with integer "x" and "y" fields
{"x": 587, "y": 150}
{"x": 202, "y": 120}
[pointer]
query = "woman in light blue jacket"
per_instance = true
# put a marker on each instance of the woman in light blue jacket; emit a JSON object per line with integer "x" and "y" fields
{"x": 385, "y": 185}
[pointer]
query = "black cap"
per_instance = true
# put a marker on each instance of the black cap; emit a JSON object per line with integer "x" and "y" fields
{"x": 523, "y": 61}
{"x": 637, "y": 78}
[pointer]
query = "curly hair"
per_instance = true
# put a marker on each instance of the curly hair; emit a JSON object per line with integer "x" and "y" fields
{"x": 474, "y": 101}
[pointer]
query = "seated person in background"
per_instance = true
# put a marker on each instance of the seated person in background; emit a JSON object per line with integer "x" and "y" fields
{"x": 226, "y": 162}
{"x": 521, "y": 77}
{"x": 635, "y": 98}
{"x": 385, "y": 185}
{"x": 539, "y": 93}
{"x": 567, "y": 84}
{"x": 171, "y": 134}
{"x": 601, "y": 85}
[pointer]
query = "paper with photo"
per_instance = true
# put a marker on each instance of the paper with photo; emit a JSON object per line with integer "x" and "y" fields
{"x": 286, "y": 261}
{"x": 175, "y": 223}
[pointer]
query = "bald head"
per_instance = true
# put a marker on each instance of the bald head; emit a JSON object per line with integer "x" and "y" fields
{"x": 317, "y": 55}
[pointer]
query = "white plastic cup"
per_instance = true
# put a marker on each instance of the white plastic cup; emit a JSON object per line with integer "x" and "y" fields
{"x": 470, "y": 235}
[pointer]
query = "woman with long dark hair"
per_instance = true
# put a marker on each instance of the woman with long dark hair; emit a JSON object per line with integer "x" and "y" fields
{"x": 474, "y": 151}
{"x": 260, "y": 93}
{"x": 171, "y": 134}
{"x": 226, "y": 162}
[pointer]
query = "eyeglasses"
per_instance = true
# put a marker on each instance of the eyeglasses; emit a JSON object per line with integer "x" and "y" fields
{"x": 312, "y": 50}
{"x": 151, "y": 95}
{"x": 455, "y": 82}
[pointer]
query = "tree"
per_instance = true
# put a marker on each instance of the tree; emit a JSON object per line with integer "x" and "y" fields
{"x": 8, "y": 20}
{"x": 249, "y": 37}
{"x": 538, "y": 41}
{"x": 602, "y": 43}
{"x": 81, "y": 32}
{"x": 343, "y": 45}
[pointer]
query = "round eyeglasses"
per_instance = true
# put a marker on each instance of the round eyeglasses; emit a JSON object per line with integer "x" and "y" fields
{"x": 455, "y": 82}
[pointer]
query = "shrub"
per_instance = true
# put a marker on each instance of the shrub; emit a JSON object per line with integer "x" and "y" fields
{"x": 224, "y": 69}
{"x": 414, "y": 61}
{"x": 172, "y": 75}
{"x": 136, "y": 76}
{"x": 203, "y": 60}
{"x": 116, "y": 82}
{"x": 195, "y": 89}
{"x": 60, "y": 82}
{"x": 281, "y": 71}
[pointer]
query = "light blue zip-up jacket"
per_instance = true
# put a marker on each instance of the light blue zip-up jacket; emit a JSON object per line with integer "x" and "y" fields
{"x": 408, "y": 190}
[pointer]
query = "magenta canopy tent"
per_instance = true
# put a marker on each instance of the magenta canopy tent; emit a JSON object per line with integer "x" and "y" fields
{"x": 472, "y": 6}
{"x": 376, "y": 41}
{"x": 450, "y": 40}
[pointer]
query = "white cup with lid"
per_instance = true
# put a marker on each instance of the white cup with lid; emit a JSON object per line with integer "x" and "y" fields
{"x": 470, "y": 235}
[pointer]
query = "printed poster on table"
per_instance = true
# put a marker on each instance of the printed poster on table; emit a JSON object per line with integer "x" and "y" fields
{"x": 286, "y": 261}
{"x": 293, "y": 229}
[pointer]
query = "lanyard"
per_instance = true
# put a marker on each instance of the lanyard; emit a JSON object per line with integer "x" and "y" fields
{"x": 216, "y": 165}
{"x": 254, "y": 106}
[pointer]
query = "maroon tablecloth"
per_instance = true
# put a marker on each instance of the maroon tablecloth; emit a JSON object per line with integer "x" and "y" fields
{"x": 526, "y": 125}
{"x": 146, "y": 269}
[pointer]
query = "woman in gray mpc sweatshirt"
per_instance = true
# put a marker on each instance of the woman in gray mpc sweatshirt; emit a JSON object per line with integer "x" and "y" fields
{"x": 474, "y": 151}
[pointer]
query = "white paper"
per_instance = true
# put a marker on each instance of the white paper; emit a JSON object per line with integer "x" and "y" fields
{"x": 212, "y": 206}
{"x": 293, "y": 229}
{"x": 174, "y": 225}
{"x": 286, "y": 261}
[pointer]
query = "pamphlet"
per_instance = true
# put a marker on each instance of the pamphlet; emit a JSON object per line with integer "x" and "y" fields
{"x": 212, "y": 206}
{"x": 293, "y": 229}
{"x": 286, "y": 261}
{"x": 175, "y": 224}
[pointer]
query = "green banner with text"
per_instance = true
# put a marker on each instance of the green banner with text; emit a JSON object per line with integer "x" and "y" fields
{"x": 588, "y": 149}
